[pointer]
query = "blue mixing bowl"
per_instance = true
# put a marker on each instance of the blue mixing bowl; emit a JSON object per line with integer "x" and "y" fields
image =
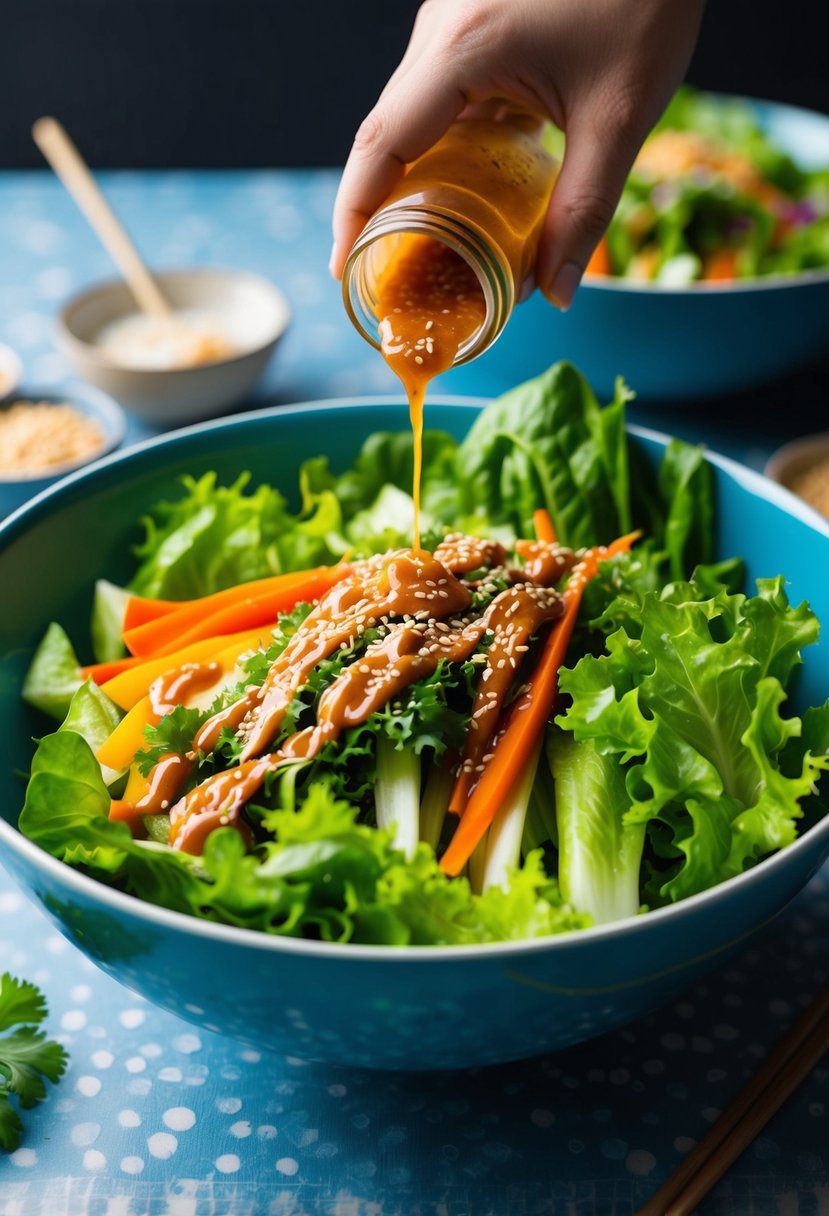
{"x": 377, "y": 1007}
{"x": 676, "y": 344}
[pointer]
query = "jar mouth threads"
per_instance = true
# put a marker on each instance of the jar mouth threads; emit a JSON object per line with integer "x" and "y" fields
{"x": 374, "y": 250}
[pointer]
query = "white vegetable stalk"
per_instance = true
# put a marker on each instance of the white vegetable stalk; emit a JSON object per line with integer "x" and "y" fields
{"x": 599, "y": 853}
{"x": 503, "y": 848}
{"x": 397, "y": 793}
{"x": 435, "y": 802}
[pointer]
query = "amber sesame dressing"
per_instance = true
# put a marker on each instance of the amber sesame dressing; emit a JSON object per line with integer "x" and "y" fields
{"x": 429, "y": 302}
{"x": 422, "y": 614}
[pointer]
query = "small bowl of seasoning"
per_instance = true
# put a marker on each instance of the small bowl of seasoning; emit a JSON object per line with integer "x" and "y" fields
{"x": 198, "y": 362}
{"x": 802, "y": 466}
{"x": 44, "y": 435}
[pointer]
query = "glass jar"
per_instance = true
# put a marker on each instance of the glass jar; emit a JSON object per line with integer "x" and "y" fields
{"x": 482, "y": 190}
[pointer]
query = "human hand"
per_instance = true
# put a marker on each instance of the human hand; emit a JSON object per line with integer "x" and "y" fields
{"x": 602, "y": 70}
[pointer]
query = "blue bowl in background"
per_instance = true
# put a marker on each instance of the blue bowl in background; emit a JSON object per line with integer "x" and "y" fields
{"x": 372, "y": 1006}
{"x": 17, "y": 489}
{"x": 675, "y": 344}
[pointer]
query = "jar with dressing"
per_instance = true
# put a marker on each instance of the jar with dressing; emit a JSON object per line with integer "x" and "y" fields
{"x": 435, "y": 274}
{"x": 452, "y": 244}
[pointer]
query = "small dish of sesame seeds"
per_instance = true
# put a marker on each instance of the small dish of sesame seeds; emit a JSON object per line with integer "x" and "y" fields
{"x": 47, "y": 434}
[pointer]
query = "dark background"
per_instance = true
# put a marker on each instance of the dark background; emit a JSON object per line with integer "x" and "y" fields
{"x": 189, "y": 83}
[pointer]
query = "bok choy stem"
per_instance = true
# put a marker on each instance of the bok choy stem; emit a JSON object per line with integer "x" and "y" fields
{"x": 397, "y": 793}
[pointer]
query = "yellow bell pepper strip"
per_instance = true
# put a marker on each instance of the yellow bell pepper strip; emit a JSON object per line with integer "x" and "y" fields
{"x": 131, "y": 685}
{"x": 128, "y": 736}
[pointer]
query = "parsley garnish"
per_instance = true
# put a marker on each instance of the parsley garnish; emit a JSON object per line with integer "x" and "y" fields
{"x": 26, "y": 1055}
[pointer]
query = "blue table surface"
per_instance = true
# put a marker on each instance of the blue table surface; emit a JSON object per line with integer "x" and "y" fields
{"x": 154, "y": 1118}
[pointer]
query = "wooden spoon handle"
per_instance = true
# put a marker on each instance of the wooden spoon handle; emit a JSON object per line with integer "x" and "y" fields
{"x": 67, "y": 163}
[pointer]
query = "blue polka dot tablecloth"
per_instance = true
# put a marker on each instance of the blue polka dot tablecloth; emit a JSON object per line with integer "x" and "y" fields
{"x": 156, "y": 1119}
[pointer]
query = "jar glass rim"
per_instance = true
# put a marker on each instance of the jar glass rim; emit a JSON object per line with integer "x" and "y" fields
{"x": 485, "y": 259}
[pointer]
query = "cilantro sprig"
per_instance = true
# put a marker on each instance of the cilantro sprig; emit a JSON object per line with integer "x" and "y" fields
{"x": 26, "y": 1055}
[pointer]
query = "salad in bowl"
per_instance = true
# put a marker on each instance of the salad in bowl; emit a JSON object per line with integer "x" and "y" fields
{"x": 714, "y": 197}
{"x": 560, "y": 713}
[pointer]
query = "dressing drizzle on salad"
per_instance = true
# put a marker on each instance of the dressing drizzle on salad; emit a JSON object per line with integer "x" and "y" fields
{"x": 422, "y": 613}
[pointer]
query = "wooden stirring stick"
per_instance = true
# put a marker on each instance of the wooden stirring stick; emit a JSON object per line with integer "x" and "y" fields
{"x": 789, "y": 1064}
{"x": 67, "y": 163}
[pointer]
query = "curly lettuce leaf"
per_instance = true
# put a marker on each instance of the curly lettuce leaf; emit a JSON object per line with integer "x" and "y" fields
{"x": 694, "y": 700}
{"x": 218, "y": 536}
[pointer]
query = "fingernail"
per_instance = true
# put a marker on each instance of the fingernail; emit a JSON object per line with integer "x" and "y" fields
{"x": 332, "y": 262}
{"x": 564, "y": 285}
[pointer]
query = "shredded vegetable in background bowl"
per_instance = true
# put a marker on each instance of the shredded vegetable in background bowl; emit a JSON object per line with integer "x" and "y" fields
{"x": 580, "y": 769}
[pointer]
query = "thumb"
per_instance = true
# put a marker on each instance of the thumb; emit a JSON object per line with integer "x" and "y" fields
{"x": 596, "y": 163}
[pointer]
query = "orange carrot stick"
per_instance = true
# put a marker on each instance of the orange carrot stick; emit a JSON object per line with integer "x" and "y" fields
{"x": 544, "y": 527}
{"x": 140, "y": 610}
{"x": 526, "y": 718}
{"x": 244, "y": 607}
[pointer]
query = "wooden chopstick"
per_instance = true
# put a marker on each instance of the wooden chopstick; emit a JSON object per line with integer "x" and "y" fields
{"x": 784, "y": 1069}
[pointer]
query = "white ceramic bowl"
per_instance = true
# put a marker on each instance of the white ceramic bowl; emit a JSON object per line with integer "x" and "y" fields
{"x": 11, "y": 371}
{"x": 246, "y": 304}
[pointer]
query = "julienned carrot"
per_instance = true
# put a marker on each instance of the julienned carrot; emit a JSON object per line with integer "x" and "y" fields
{"x": 526, "y": 719}
{"x": 244, "y": 607}
{"x": 545, "y": 532}
{"x": 544, "y": 527}
{"x": 140, "y": 610}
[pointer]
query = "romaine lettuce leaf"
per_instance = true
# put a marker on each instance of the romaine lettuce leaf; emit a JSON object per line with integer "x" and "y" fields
{"x": 599, "y": 849}
{"x": 93, "y": 716}
{"x": 548, "y": 444}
